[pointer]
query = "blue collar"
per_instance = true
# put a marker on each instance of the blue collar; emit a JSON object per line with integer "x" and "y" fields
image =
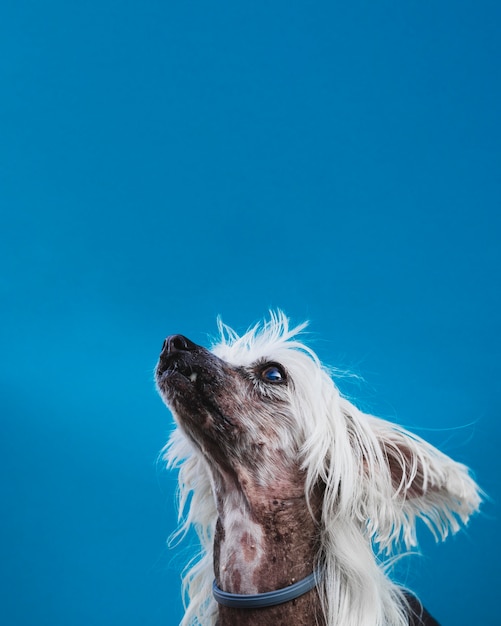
{"x": 262, "y": 600}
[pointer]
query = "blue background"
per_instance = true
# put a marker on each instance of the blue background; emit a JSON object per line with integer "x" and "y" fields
{"x": 163, "y": 162}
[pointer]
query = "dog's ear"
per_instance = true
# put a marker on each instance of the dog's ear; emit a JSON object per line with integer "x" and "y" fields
{"x": 425, "y": 484}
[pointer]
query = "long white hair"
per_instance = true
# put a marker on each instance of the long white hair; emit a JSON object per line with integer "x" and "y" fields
{"x": 378, "y": 480}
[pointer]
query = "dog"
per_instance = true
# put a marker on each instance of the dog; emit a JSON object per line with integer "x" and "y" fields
{"x": 300, "y": 500}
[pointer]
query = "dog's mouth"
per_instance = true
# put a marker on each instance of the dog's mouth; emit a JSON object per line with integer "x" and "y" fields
{"x": 190, "y": 379}
{"x": 175, "y": 366}
{"x": 184, "y": 370}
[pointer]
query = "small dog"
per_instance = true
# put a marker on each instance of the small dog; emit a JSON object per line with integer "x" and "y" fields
{"x": 296, "y": 495}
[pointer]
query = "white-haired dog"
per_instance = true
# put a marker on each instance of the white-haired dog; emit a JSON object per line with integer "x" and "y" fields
{"x": 298, "y": 497}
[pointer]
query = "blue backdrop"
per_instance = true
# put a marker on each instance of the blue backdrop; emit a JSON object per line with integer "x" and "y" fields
{"x": 162, "y": 162}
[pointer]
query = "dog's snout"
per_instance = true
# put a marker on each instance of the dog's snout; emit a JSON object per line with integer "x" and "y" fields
{"x": 178, "y": 354}
{"x": 177, "y": 343}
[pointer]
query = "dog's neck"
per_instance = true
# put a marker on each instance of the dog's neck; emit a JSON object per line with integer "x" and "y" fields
{"x": 264, "y": 542}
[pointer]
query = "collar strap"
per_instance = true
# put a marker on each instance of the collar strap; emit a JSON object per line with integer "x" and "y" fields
{"x": 262, "y": 600}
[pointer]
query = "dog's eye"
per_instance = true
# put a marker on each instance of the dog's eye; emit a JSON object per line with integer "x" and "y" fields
{"x": 273, "y": 374}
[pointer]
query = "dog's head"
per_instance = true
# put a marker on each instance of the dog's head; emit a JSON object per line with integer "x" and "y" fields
{"x": 244, "y": 405}
{"x": 261, "y": 407}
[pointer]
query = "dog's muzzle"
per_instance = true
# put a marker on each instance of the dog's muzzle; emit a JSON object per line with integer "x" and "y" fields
{"x": 185, "y": 367}
{"x": 181, "y": 356}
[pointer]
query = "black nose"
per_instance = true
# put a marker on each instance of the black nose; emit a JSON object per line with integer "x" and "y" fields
{"x": 177, "y": 343}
